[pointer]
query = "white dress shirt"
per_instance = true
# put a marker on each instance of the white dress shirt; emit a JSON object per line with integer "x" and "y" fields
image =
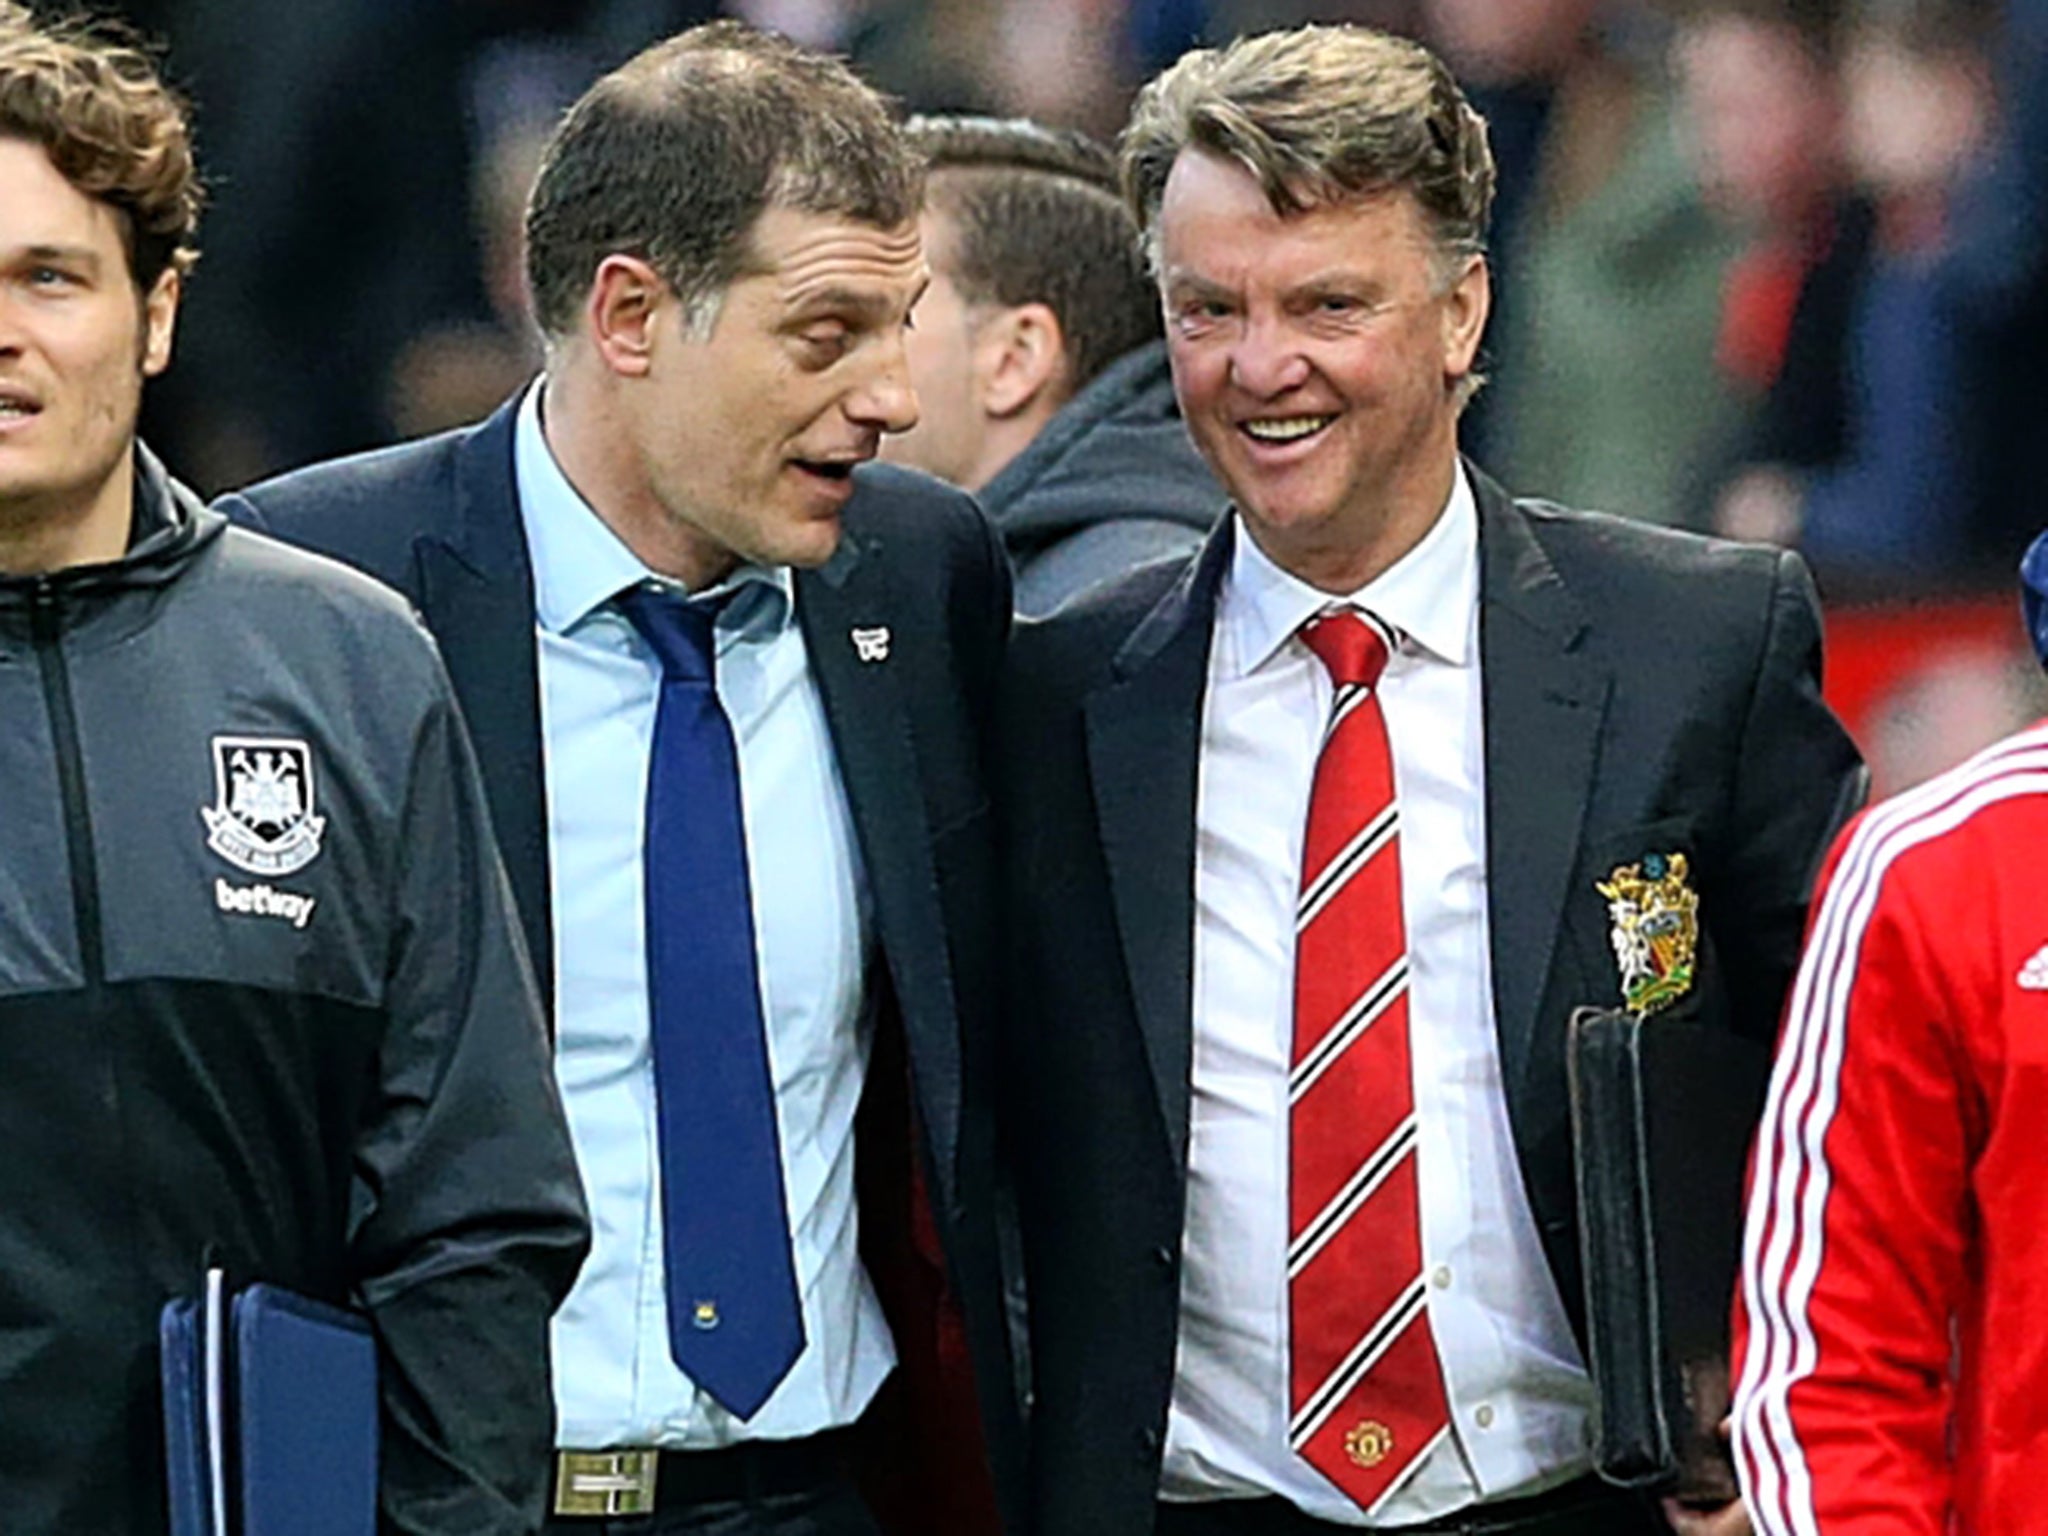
{"x": 615, "y": 1383}
{"x": 1519, "y": 1396}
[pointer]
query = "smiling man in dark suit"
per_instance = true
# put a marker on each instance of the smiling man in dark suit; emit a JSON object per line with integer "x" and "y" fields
{"x": 1309, "y": 835}
{"x": 726, "y": 682}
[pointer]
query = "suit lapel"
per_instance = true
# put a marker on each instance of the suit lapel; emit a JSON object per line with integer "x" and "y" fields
{"x": 869, "y": 717}
{"x": 476, "y": 594}
{"x": 1545, "y": 701}
{"x": 1144, "y": 746}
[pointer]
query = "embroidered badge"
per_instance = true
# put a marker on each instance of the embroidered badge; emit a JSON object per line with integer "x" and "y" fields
{"x": 262, "y": 816}
{"x": 1656, "y": 930}
{"x": 1368, "y": 1443}
{"x": 871, "y": 644}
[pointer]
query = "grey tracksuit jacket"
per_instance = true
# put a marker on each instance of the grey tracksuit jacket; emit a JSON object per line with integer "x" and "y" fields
{"x": 262, "y": 1002}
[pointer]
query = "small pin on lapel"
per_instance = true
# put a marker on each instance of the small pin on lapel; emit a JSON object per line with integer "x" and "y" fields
{"x": 872, "y": 644}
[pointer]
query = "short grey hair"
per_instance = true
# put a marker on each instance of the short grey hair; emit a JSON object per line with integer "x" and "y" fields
{"x": 1319, "y": 114}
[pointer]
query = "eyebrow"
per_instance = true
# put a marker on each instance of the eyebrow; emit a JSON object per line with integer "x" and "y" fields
{"x": 1348, "y": 279}
{"x": 865, "y": 303}
{"x": 1329, "y": 279}
{"x": 81, "y": 255}
{"x": 840, "y": 299}
{"x": 1191, "y": 285}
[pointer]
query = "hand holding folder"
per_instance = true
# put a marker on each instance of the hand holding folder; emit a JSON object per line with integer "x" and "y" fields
{"x": 1662, "y": 1116}
{"x": 270, "y": 1415}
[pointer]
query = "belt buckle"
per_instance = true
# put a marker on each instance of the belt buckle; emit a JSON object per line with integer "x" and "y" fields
{"x": 606, "y": 1482}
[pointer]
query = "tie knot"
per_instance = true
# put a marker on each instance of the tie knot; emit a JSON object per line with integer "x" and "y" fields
{"x": 1353, "y": 646}
{"x": 678, "y": 631}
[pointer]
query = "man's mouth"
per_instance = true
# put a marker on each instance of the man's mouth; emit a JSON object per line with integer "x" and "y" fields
{"x": 1284, "y": 429}
{"x": 16, "y": 407}
{"x": 828, "y": 469}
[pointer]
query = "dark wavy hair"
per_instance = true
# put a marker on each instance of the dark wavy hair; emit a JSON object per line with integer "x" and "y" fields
{"x": 96, "y": 104}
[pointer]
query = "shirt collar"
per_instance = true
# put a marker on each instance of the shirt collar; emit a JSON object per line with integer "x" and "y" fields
{"x": 580, "y": 565}
{"x": 1428, "y": 595}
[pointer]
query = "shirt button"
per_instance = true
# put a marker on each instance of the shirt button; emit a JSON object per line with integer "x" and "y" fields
{"x": 1483, "y": 1416}
{"x": 1440, "y": 1277}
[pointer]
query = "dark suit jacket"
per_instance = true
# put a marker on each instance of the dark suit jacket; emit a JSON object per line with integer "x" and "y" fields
{"x": 1643, "y": 690}
{"x": 439, "y": 520}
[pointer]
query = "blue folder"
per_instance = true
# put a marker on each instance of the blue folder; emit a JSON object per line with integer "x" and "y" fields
{"x": 270, "y": 1415}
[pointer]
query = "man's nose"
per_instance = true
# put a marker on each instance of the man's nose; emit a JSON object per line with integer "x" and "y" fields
{"x": 1268, "y": 359}
{"x": 887, "y": 400}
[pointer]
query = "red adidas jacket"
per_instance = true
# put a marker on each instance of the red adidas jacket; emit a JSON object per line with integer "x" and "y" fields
{"x": 1892, "y": 1317}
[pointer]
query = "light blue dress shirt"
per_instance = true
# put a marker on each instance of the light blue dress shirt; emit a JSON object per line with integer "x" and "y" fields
{"x": 615, "y": 1384}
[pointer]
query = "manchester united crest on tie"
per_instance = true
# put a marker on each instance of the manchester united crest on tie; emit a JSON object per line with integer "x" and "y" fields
{"x": 1655, "y": 930}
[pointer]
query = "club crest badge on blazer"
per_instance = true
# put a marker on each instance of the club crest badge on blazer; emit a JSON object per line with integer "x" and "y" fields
{"x": 1656, "y": 930}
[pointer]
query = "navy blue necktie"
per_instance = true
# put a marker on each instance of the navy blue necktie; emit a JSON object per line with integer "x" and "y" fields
{"x": 735, "y": 1322}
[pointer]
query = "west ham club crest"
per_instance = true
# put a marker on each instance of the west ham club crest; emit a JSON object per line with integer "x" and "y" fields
{"x": 262, "y": 816}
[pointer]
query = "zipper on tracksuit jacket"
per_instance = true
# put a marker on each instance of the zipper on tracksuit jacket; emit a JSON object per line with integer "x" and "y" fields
{"x": 47, "y": 634}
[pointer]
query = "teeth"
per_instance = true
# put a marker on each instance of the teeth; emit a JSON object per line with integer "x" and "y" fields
{"x": 1287, "y": 429}
{"x": 13, "y": 408}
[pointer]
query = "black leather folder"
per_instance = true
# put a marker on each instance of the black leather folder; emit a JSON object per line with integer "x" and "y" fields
{"x": 1662, "y": 1116}
{"x": 270, "y": 1415}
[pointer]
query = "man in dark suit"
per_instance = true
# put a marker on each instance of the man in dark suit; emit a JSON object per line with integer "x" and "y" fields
{"x": 1309, "y": 836}
{"x": 728, "y": 685}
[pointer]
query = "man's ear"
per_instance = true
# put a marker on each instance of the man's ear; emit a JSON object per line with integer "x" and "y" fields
{"x": 1466, "y": 305}
{"x": 1020, "y": 359}
{"x": 620, "y": 310}
{"x": 160, "y": 321}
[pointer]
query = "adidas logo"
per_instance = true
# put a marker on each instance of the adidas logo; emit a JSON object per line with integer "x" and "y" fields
{"x": 2033, "y": 975}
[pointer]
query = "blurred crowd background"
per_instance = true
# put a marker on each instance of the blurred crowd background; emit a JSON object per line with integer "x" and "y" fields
{"x": 1771, "y": 268}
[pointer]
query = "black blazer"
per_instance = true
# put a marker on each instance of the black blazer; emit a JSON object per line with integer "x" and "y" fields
{"x": 439, "y": 519}
{"x": 1643, "y": 691}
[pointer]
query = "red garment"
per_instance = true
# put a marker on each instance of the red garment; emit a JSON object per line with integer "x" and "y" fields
{"x": 924, "y": 1466}
{"x": 1760, "y": 296}
{"x": 1892, "y": 1321}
